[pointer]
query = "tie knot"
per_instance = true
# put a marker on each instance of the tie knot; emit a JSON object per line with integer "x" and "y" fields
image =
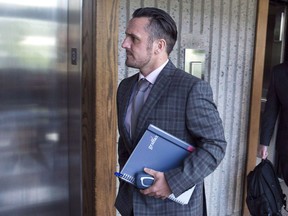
{"x": 142, "y": 85}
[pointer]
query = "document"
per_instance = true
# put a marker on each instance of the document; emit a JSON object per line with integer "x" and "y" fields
{"x": 160, "y": 151}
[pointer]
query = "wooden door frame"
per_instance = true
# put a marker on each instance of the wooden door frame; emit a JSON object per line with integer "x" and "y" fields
{"x": 256, "y": 92}
{"x": 99, "y": 84}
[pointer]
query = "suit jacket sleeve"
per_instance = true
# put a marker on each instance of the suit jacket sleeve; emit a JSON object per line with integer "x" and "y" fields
{"x": 204, "y": 124}
{"x": 270, "y": 113}
{"x": 123, "y": 152}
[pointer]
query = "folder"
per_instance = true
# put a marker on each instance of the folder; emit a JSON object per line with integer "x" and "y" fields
{"x": 160, "y": 151}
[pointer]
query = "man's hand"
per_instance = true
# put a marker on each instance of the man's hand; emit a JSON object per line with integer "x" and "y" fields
{"x": 160, "y": 188}
{"x": 262, "y": 151}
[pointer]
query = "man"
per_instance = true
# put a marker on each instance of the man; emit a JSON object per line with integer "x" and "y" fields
{"x": 176, "y": 102}
{"x": 276, "y": 106}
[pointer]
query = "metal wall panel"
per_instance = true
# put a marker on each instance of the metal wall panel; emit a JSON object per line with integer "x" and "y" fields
{"x": 35, "y": 117}
{"x": 224, "y": 29}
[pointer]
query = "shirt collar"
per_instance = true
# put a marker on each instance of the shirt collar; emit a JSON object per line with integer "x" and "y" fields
{"x": 154, "y": 74}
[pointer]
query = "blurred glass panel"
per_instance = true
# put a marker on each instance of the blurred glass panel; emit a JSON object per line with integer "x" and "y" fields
{"x": 33, "y": 109}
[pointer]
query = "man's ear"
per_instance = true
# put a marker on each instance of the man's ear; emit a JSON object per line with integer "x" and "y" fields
{"x": 160, "y": 46}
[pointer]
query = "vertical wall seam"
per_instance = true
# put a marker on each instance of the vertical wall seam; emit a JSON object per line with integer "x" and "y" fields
{"x": 127, "y": 19}
{"x": 219, "y": 51}
{"x": 212, "y": 15}
{"x": 180, "y": 35}
{"x": 218, "y": 88}
{"x": 202, "y": 16}
{"x": 236, "y": 76}
{"x": 191, "y": 16}
{"x": 234, "y": 108}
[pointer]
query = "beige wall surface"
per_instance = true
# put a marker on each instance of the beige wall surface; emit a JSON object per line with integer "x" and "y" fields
{"x": 224, "y": 29}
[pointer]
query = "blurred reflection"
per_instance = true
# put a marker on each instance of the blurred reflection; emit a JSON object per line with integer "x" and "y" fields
{"x": 33, "y": 109}
{"x": 32, "y": 3}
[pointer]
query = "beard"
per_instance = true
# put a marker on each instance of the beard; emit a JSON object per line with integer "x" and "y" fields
{"x": 139, "y": 62}
{"x": 133, "y": 62}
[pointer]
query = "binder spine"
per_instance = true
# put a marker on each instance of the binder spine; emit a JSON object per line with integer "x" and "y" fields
{"x": 128, "y": 178}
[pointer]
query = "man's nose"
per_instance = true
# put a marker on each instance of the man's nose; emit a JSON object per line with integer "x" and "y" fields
{"x": 125, "y": 43}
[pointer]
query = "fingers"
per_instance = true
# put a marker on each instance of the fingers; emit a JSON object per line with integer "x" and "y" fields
{"x": 160, "y": 188}
{"x": 265, "y": 155}
{"x": 262, "y": 152}
{"x": 150, "y": 171}
{"x": 154, "y": 193}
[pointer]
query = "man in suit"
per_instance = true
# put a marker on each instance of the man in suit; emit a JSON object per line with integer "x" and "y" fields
{"x": 276, "y": 107}
{"x": 176, "y": 102}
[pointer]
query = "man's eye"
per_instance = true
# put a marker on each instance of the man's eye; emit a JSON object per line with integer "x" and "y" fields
{"x": 134, "y": 39}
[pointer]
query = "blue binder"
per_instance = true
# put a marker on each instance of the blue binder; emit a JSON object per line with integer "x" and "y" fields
{"x": 157, "y": 150}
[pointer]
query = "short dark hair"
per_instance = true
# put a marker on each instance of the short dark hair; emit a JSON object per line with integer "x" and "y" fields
{"x": 161, "y": 25}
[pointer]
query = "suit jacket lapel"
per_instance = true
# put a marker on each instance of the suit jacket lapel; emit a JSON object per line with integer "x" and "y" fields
{"x": 124, "y": 106}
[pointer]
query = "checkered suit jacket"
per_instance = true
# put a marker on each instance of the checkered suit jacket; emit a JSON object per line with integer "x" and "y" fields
{"x": 182, "y": 105}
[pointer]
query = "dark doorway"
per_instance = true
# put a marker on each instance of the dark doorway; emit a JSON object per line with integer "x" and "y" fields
{"x": 276, "y": 53}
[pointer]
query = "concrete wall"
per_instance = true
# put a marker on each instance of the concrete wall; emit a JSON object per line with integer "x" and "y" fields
{"x": 225, "y": 30}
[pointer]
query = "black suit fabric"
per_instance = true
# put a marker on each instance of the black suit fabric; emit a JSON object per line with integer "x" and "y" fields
{"x": 277, "y": 107}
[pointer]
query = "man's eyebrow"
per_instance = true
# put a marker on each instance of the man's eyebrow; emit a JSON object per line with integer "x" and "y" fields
{"x": 132, "y": 35}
